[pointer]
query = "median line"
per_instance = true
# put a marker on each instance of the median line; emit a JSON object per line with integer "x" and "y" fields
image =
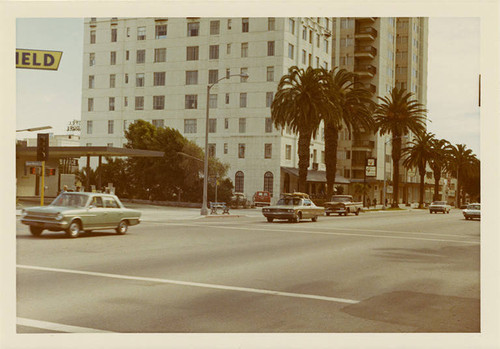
{"x": 56, "y": 327}
{"x": 193, "y": 284}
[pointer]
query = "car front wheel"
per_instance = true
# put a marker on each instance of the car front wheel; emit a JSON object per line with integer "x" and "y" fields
{"x": 74, "y": 230}
{"x": 314, "y": 219}
{"x": 122, "y": 228}
{"x": 35, "y": 231}
{"x": 270, "y": 219}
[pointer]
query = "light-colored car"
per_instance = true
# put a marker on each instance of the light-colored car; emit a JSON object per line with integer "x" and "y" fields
{"x": 342, "y": 205}
{"x": 293, "y": 207}
{"x": 439, "y": 206}
{"x": 80, "y": 212}
{"x": 472, "y": 211}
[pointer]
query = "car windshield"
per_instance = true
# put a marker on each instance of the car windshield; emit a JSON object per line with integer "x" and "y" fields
{"x": 289, "y": 201}
{"x": 439, "y": 203}
{"x": 70, "y": 200}
{"x": 474, "y": 207}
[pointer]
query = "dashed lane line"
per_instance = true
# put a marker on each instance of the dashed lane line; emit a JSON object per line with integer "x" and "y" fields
{"x": 193, "y": 284}
{"x": 56, "y": 327}
{"x": 334, "y": 233}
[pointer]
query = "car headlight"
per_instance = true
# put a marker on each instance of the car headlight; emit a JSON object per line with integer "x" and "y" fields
{"x": 291, "y": 211}
{"x": 59, "y": 217}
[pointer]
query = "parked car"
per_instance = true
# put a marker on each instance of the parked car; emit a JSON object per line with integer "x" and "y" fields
{"x": 80, "y": 212}
{"x": 262, "y": 198}
{"x": 239, "y": 200}
{"x": 342, "y": 205}
{"x": 472, "y": 211}
{"x": 293, "y": 207}
{"x": 439, "y": 206}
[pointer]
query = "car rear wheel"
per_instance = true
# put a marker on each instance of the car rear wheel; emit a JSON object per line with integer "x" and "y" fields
{"x": 357, "y": 212}
{"x": 74, "y": 230}
{"x": 314, "y": 219}
{"x": 36, "y": 231}
{"x": 270, "y": 219}
{"x": 122, "y": 228}
{"x": 328, "y": 213}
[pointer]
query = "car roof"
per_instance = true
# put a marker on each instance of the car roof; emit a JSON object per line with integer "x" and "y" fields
{"x": 91, "y": 194}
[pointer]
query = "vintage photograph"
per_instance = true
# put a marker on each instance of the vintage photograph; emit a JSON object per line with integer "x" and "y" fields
{"x": 248, "y": 175}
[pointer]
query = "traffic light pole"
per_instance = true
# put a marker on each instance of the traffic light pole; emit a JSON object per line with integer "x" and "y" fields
{"x": 43, "y": 183}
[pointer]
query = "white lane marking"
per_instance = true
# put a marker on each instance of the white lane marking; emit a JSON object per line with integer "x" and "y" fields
{"x": 56, "y": 327}
{"x": 331, "y": 233}
{"x": 194, "y": 284}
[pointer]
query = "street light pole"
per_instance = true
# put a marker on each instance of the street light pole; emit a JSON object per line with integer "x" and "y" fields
{"x": 204, "y": 206}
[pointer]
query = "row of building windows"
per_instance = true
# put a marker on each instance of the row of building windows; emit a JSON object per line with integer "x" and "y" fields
{"x": 190, "y": 101}
{"x": 159, "y": 78}
{"x": 190, "y": 125}
{"x": 239, "y": 182}
{"x": 193, "y": 29}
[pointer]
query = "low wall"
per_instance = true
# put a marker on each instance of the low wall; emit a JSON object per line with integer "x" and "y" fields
{"x": 163, "y": 203}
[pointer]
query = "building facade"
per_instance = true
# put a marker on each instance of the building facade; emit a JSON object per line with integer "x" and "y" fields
{"x": 158, "y": 69}
{"x": 384, "y": 52}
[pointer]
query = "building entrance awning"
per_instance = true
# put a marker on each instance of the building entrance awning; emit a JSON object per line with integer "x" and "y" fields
{"x": 315, "y": 176}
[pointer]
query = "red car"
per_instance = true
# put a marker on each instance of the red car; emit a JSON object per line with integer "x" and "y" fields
{"x": 262, "y": 198}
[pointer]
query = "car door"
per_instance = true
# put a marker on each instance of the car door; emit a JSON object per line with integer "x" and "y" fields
{"x": 113, "y": 211}
{"x": 307, "y": 209}
{"x": 96, "y": 214}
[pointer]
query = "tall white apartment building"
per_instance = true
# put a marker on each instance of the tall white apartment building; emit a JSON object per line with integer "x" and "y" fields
{"x": 384, "y": 52}
{"x": 158, "y": 69}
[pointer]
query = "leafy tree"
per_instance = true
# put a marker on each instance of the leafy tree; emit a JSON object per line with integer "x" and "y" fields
{"x": 417, "y": 154}
{"x": 352, "y": 107}
{"x": 176, "y": 175}
{"x": 115, "y": 170}
{"x": 397, "y": 115}
{"x": 300, "y": 103}
{"x": 362, "y": 189}
{"x": 437, "y": 162}
{"x": 461, "y": 164}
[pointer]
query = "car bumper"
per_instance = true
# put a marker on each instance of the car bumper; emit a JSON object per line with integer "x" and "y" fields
{"x": 472, "y": 215}
{"x": 279, "y": 215}
{"x": 51, "y": 225}
{"x": 335, "y": 210}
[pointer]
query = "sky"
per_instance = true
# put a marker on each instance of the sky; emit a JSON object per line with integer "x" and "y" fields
{"x": 54, "y": 97}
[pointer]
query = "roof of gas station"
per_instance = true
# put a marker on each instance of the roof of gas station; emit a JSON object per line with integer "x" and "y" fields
{"x": 76, "y": 152}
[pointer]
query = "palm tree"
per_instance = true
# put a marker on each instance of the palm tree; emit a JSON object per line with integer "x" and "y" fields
{"x": 353, "y": 108}
{"x": 397, "y": 115}
{"x": 437, "y": 162}
{"x": 300, "y": 103}
{"x": 418, "y": 154}
{"x": 461, "y": 164}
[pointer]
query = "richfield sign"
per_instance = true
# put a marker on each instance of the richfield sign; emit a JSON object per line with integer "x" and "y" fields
{"x": 38, "y": 59}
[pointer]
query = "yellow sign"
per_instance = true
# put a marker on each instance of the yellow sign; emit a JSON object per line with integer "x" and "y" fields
{"x": 38, "y": 59}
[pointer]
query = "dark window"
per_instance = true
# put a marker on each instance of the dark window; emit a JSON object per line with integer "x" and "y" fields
{"x": 268, "y": 182}
{"x": 239, "y": 179}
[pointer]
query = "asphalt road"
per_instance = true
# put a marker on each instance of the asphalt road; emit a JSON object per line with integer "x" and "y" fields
{"x": 386, "y": 271}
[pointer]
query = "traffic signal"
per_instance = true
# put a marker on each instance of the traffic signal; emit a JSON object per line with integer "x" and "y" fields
{"x": 42, "y": 147}
{"x": 33, "y": 170}
{"x": 50, "y": 171}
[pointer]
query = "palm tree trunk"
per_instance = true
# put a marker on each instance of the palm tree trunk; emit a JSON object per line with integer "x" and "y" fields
{"x": 422, "y": 187}
{"x": 331, "y": 143}
{"x": 396, "y": 156}
{"x": 304, "y": 143}
{"x": 437, "y": 178}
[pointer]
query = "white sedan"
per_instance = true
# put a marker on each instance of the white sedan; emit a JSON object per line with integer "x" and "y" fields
{"x": 439, "y": 206}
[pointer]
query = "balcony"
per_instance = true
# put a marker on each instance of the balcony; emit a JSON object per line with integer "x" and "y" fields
{"x": 368, "y": 33}
{"x": 365, "y": 51}
{"x": 358, "y": 143}
{"x": 369, "y": 87}
{"x": 365, "y": 70}
{"x": 366, "y": 19}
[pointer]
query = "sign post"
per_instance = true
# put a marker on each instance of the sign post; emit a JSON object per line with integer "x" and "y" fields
{"x": 42, "y": 154}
